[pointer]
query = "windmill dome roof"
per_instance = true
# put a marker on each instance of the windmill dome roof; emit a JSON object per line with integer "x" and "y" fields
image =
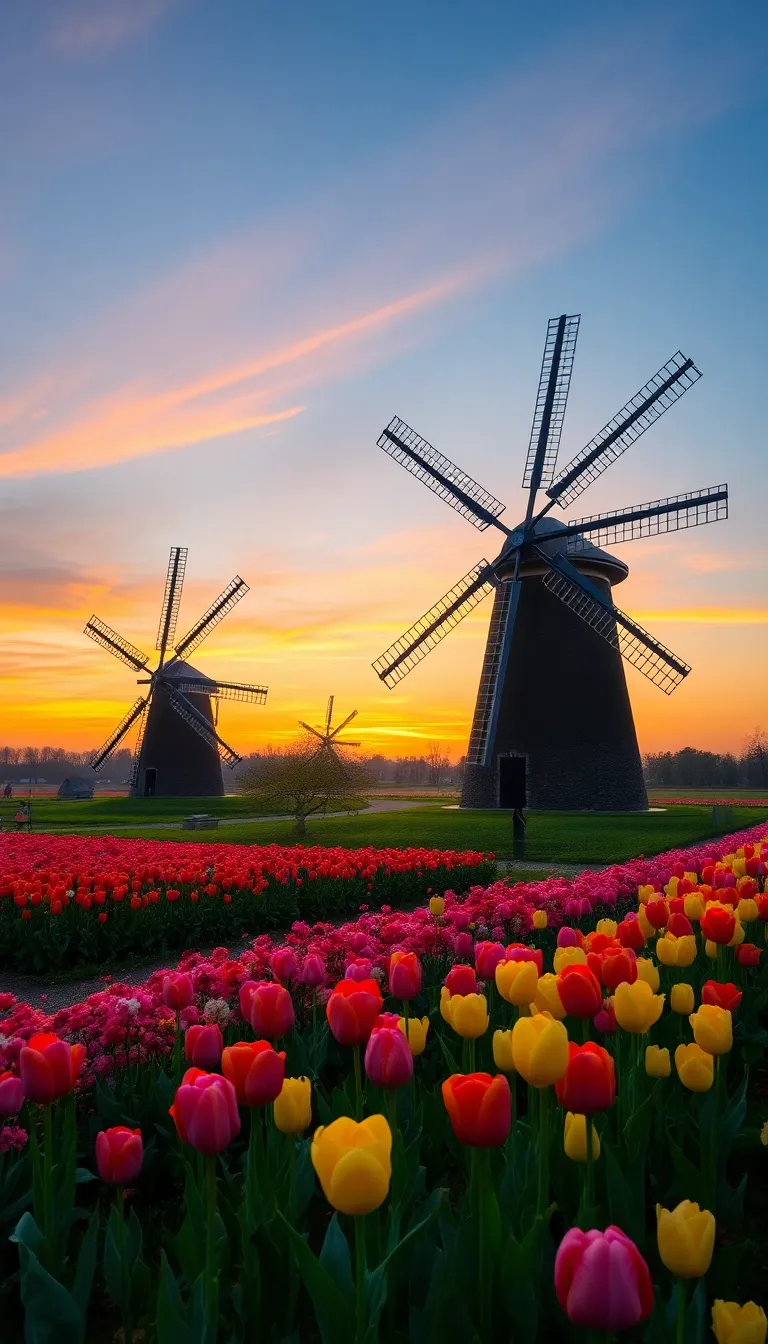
{"x": 181, "y": 671}
{"x": 589, "y": 560}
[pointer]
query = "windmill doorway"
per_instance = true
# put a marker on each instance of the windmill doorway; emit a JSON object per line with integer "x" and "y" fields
{"x": 150, "y": 783}
{"x": 512, "y": 771}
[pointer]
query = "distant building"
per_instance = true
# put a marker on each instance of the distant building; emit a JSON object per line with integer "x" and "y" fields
{"x": 75, "y": 787}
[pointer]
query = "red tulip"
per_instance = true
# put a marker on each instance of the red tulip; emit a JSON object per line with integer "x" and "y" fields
{"x": 388, "y": 1058}
{"x": 748, "y": 955}
{"x": 119, "y": 1155}
{"x": 49, "y": 1067}
{"x": 520, "y": 952}
{"x": 762, "y": 906}
{"x": 404, "y": 975}
{"x": 680, "y": 925}
{"x": 283, "y": 963}
{"x": 352, "y": 1009}
{"x": 602, "y": 1281}
{"x": 461, "y": 980}
{"x": 479, "y": 1108}
{"x": 178, "y": 991}
{"x": 589, "y": 1083}
{"x": 615, "y": 966}
{"x": 205, "y": 1111}
{"x": 255, "y": 1070}
{"x": 487, "y": 958}
{"x": 718, "y": 924}
{"x": 203, "y": 1045}
{"x": 657, "y": 912}
{"x": 721, "y": 995}
{"x": 630, "y": 934}
{"x": 270, "y": 1010}
{"x": 580, "y": 992}
{"x": 11, "y": 1094}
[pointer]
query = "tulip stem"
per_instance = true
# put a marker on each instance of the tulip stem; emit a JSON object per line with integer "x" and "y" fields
{"x": 543, "y": 1191}
{"x": 291, "y": 1178}
{"x": 314, "y": 1015}
{"x": 177, "y": 1049}
{"x": 47, "y": 1171}
{"x": 406, "y": 1015}
{"x": 125, "y": 1305}
{"x": 589, "y": 1212}
{"x": 680, "y": 1294}
{"x": 358, "y": 1084}
{"x": 478, "y": 1171}
{"x": 360, "y": 1272}
{"x": 211, "y": 1280}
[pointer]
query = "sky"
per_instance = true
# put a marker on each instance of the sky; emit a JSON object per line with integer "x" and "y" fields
{"x": 236, "y": 239}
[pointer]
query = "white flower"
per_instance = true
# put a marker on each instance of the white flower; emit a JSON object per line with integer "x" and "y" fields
{"x": 131, "y": 1006}
{"x": 217, "y": 1010}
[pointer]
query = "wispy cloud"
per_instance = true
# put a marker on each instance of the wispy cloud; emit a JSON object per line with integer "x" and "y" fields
{"x": 708, "y": 615}
{"x": 102, "y": 25}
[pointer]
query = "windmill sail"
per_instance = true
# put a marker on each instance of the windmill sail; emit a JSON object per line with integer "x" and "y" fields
{"x": 641, "y": 411}
{"x": 635, "y": 644}
{"x": 551, "y": 399}
{"x": 647, "y": 520}
{"x": 103, "y": 634}
{"x": 440, "y": 475}
{"x": 202, "y": 727}
{"x": 134, "y": 776}
{"x": 225, "y": 690}
{"x": 499, "y": 633}
{"x": 399, "y": 659}
{"x": 119, "y": 733}
{"x": 224, "y": 603}
{"x": 166, "y": 630}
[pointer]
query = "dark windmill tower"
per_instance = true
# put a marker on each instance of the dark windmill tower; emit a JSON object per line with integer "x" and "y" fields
{"x": 329, "y": 738}
{"x": 178, "y": 751}
{"x": 553, "y": 725}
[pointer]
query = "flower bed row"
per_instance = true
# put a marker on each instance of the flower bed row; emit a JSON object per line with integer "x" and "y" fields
{"x": 707, "y": 802}
{"x": 74, "y": 901}
{"x": 488, "y": 1123}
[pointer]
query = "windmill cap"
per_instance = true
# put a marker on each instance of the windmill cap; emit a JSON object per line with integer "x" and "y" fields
{"x": 591, "y": 560}
{"x": 181, "y": 671}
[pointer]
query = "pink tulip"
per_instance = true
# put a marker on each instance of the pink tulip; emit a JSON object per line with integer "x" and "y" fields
{"x": 283, "y": 964}
{"x": 203, "y": 1045}
{"x": 49, "y": 1067}
{"x": 602, "y": 1281}
{"x": 178, "y": 991}
{"x": 205, "y": 1111}
{"x": 313, "y": 971}
{"x": 359, "y": 969}
{"x": 487, "y": 958}
{"x": 388, "y": 1058}
{"x": 271, "y": 1012}
{"x": 463, "y": 946}
{"x": 119, "y": 1155}
{"x": 567, "y": 937}
{"x": 11, "y": 1094}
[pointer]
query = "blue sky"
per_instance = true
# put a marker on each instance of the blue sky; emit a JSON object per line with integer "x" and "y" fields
{"x": 238, "y": 237}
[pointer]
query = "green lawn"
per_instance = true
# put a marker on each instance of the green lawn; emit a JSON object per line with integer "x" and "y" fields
{"x": 58, "y": 813}
{"x": 552, "y": 837}
{"x": 728, "y": 795}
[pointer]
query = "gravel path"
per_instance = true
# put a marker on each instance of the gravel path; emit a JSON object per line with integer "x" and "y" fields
{"x": 376, "y": 805}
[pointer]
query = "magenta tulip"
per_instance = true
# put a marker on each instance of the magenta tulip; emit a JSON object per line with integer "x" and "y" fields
{"x": 602, "y": 1281}
{"x": 203, "y": 1045}
{"x": 388, "y": 1058}
{"x": 178, "y": 991}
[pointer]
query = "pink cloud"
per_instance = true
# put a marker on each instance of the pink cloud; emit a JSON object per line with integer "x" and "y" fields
{"x": 103, "y": 25}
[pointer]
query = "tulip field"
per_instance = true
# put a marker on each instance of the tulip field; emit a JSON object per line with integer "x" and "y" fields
{"x": 523, "y": 1112}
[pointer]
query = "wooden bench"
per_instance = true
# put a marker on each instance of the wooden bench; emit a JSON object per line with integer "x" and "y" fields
{"x": 200, "y": 821}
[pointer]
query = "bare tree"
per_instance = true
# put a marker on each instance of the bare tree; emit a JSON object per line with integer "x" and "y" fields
{"x": 756, "y": 756}
{"x": 305, "y": 781}
{"x": 437, "y": 761}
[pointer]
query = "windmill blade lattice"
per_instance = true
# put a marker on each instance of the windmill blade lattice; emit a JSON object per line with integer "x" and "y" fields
{"x": 225, "y": 690}
{"x": 166, "y": 630}
{"x": 441, "y": 475}
{"x": 647, "y": 520}
{"x": 202, "y": 727}
{"x": 103, "y": 634}
{"x": 551, "y": 400}
{"x": 402, "y": 656}
{"x": 661, "y": 391}
{"x": 234, "y": 591}
{"x": 117, "y": 735}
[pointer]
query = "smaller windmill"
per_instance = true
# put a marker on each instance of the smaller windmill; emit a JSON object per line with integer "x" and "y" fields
{"x": 329, "y": 737}
{"x": 178, "y": 751}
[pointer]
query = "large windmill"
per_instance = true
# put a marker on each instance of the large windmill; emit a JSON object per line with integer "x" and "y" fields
{"x": 178, "y": 750}
{"x": 553, "y": 725}
{"x": 329, "y": 737}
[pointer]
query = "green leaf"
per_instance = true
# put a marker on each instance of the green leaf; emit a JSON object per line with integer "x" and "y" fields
{"x": 51, "y": 1314}
{"x": 376, "y": 1280}
{"x": 334, "y": 1314}
{"x": 638, "y": 1127}
{"x": 177, "y": 1324}
{"x": 625, "y": 1210}
{"x": 335, "y": 1257}
{"x": 86, "y": 1264}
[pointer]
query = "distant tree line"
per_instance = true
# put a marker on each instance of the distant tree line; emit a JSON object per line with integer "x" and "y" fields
{"x": 432, "y": 768}
{"x": 53, "y": 764}
{"x": 694, "y": 769}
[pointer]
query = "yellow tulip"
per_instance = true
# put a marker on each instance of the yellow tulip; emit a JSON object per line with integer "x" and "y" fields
{"x": 657, "y": 1061}
{"x": 516, "y": 981}
{"x": 293, "y": 1107}
{"x": 747, "y": 910}
{"x": 671, "y": 887}
{"x": 711, "y": 949}
{"x": 540, "y": 919}
{"x": 740, "y": 866}
{"x": 607, "y": 926}
{"x": 738, "y": 934}
{"x": 681, "y": 999}
{"x": 733, "y": 1324}
{"x": 540, "y": 1049}
{"x": 712, "y": 1029}
{"x": 693, "y": 904}
{"x": 436, "y": 906}
{"x": 686, "y": 1239}
{"x": 695, "y": 1068}
{"x": 416, "y": 1035}
{"x": 466, "y": 1013}
{"x": 646, "y": 893}
{"x": 691, "y": 877}
{"x": 548, "y": 997}
{"x": 354, "y": 1163}
{"x": 672, "y": 951}
{"x": 502, "y": 1051}
{"x": 637, "y": 1007}
{"x": 648, "y": 928}
{"x": 648, "y": 972}
{"x": 568, "y": 956}
{"x": 575, "y": 1138}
